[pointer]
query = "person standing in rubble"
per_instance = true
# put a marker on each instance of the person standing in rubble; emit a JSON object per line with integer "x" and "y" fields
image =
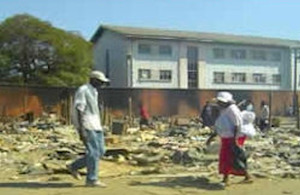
{"x": 209, "y": 114}
{"x": 87, "y": 120}
{"x": 264, "y": 116}
{"x": 228, "y": 126}
{"x": 144, "y": 116}
{"x": 206, "y": 115}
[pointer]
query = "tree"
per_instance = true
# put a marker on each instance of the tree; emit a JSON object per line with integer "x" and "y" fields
{"x": 34, "y": 52}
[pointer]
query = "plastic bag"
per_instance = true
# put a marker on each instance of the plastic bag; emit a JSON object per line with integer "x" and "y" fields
{"x": 239, "y": 159}
{"x": 247, "y": 127}
{"x": 248, "y": 130}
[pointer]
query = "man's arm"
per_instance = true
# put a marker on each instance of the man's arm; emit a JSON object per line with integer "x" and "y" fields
{"x": 211, "y": 137}
{"x": 81, "y": 130}
{"x": 80, "y": 104}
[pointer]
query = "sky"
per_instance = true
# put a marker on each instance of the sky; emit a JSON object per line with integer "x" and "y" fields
{"x": 266, "y": 18}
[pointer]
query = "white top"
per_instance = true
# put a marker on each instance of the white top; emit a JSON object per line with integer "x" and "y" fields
{"x": 265, "y": 111}
{"x": 248, "y": 127}
{"x": 228, "y": 119}
{"x": 86, "y": 102}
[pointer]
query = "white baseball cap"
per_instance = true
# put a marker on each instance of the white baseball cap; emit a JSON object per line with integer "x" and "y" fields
{"x": 99, "y": 75}
{"x": 225, "y": 97}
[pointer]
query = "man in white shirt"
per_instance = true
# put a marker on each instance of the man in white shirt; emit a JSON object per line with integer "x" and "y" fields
{"x": 86, "y": 118}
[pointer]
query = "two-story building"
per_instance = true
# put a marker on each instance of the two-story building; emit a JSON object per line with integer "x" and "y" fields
{"x": 157, "y": 58}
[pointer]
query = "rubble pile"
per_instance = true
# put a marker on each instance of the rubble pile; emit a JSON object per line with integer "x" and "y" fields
{"x": 40, "y": 147}
{"x": 45, "y": 146}
{"x": 275, "y": 154}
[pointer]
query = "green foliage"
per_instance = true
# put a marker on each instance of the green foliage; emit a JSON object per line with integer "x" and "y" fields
{"x": 41, "y": 54}
{"x": 4, "y": 61}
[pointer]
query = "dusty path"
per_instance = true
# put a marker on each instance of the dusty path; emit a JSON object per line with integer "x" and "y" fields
{"x": 148, "y": 185}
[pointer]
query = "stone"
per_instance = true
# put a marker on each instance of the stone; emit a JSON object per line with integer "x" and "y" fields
{"x": 260, "y": 175}
{"x": 182, "y": 121}
{"x": 190, "y": 156}
{"x": 213, "y": 148}
{"x": 111, "y": 140}
{"x": 143, "y": 159}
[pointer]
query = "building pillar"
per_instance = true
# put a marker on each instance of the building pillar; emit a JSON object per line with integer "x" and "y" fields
{"x": 202, "y": 69}
{"x": 182, "y": 67}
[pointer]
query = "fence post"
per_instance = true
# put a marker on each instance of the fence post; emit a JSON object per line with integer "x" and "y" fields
{"x": 270, "y": 107}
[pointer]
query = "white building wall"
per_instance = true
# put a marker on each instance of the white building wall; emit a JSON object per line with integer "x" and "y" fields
{"x": 248, "y": 66}
{"x": 124, "y": 75}
{"x": 207, "y": 65}
{"x": 155, "y": 63}
{"x": 117, "y": 46}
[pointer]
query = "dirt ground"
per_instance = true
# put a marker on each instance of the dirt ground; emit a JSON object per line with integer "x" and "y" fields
{"x": 152, "y": 186}
{"x": 122, "y": 184}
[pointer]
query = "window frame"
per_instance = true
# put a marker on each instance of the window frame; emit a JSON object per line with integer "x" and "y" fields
{"x": 236, "y": 77}
{"x": 239, "y": 54}
{"x": 142, "y": 71}
{"x": 274, "y": 56}
{"x": 165, "y": 75}
{"x": 163, "y": 52}
{"x": 276, "y": 81}
{"x": 216, "y": 76}
{"x": 261, "y": 78}
{"x": 144, "y": 51}
{"x": 219, "y": 53}
{"x": 258, "y": 54}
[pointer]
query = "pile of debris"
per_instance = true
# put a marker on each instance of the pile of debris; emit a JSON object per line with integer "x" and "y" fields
{"x": 46, "y": 146}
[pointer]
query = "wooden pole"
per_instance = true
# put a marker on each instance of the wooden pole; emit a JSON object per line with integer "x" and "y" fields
{"x": 270, "y": 109}
{"x": 130, "y": 111}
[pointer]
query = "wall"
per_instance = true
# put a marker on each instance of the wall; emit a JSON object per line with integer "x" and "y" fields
{"x": 117, "y": 47}
{"x": 154, "y": 62}
{"x": 248, "y": 66}
{"x": 168, "y": 102}
{"x": 16, "y": 101}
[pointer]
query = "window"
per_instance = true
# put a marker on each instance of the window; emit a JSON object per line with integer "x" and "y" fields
{"x": 165, "y": 75}
{"x": 238, "y": 54}
{"x": 144, "y": 74}
{"x": 275, "y": 56}
{"x": 165, "y": 50}
{"x": 192, "y": 57}
{"x": 219, "y": 53}
{"x": 144, "y": 49}
{"x": 276, "y": 78}
{"x": 218, "y": 77}
{"x": 258, "y": 55}
{"x": 238, "y": 77}
{"x": 259, "y": 78}
{"x": 192, "y": 79}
